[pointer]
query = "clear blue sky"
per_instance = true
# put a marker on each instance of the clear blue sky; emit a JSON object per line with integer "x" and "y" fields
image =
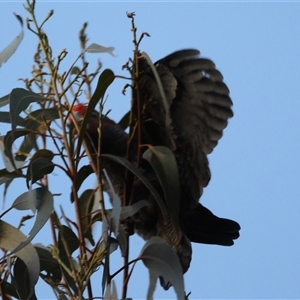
{"x": 255, "y": 168}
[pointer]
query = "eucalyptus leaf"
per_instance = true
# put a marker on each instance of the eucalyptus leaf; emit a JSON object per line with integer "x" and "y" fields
{"x": 162, "y": 261}
{"x": 5, "y": 175}
{"x": 27, "y": 145}
{"x": 4, "y": 100}
{"x": 124, "y": 122}
{"x": 9, "y": 289}
{"x": 164, "y": 164}
{"x": 81, "y": 175}
{"x": 111, "y": 291}
{"x": 12, "y": 47}
{"x": 10, "y": 167}
{"x": 48, "y": 264}
{"x": 129, "y": 211}
{"x": 5, "y": 118}
{"x": 116, "y": 205}
{"x": 67, "y": 238}
{"x": 40, "y": 199}
{"x": 8, "y": 141}
{"x": 21, "y": 281}
{"x": 86, "y": 203}
{"x": 40, "y": 165}
{"x": 168, "y": 119}
{"x": 10, "y": 238}
{"x": 122, "y": 240}
{"x": 105, "y": 79}
{"x": 96, "y": 48}
{"x": 36, "y": 119}
{"x": 144, "y": 180}
{"x": 75, "y": 71}
{"x": 19, "y": 100}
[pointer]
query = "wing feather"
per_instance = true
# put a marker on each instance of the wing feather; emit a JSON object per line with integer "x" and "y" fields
{"x": 200, "y": 107}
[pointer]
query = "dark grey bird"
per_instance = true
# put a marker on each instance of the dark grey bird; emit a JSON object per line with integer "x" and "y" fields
{"x": 190, "y": 124}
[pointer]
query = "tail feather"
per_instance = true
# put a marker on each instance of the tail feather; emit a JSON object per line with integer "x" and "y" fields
{"x": 202, "y": 226}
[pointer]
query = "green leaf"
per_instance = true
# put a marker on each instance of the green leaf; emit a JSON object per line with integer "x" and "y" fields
{"x": 8, "y": 142}
{"x": 126, "y": 212}
{"x": 116, "y": 205}
{"x": 36, "y": 119}
{"x": 164, "y": 100}
{"x": 27, "y": 145}
{"x": 81, "y": 175}
{"x": 10, "y": 238}
{"x": 96, "y": 48}
{"x": 39, "y": 199}
{"x": 162, "y": 261}
{"x": 120, "y": 233}
{"x": 124, "y": 122}
{"x": 130, "y": 210}
{"x": 67, "y": 237}
{"x": 4, "y": 100}
{"x": 112, "y": 246}
{"x": 12, "y": 47}
{"x": 5, "y": 175}
{"x": 98, "y": 216}
{"x": 86, "y": 203}
{"x": 105, "y": 79}
{"x": 164, "y": 164}
{"x": 9, "y": 289}
{"x": 21, "y": 279}
{"x": 19, "y": 100}
{"x": 48, "y": 264}
{"x": 75, "y": 71}
{"x": 5, "y": 118}
{"x": 38, "y": 169}
{"x": 144, "y": 180}
{"x": 122, "y": 240}
{"x": 111, "y": 291}
{"x": 105, "y": 273}
{"x": 70, "y": 238}
{"x": 40, "y": 165}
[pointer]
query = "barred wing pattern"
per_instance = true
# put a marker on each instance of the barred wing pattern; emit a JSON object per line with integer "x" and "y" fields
{"x": 199, "y": 105}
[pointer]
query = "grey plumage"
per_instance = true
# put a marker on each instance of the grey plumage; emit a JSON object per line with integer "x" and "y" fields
{"x": 199, "y": 106}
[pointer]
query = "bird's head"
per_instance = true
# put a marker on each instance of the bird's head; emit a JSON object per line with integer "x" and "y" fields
{"x": 113, "y": 137}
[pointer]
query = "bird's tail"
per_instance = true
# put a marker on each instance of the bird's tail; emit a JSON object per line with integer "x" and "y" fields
{"x": 202, "y": 226}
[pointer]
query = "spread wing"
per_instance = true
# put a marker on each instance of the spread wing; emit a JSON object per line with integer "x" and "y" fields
{"x": 199, "y": 107}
